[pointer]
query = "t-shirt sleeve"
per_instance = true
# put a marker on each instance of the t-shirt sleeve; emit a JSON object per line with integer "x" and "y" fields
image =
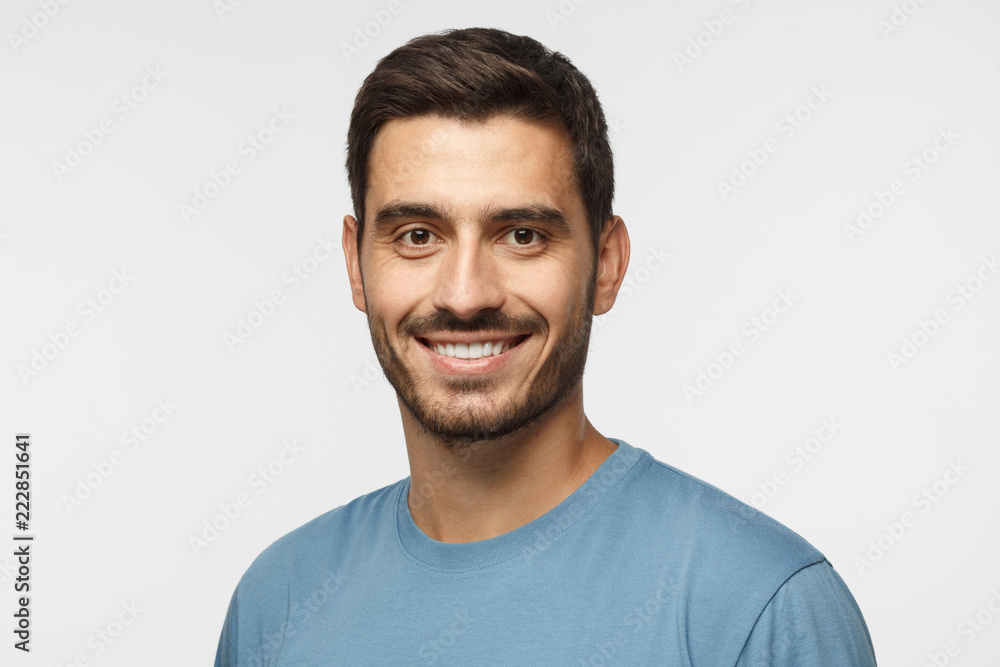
{"x": 812, "y": 621}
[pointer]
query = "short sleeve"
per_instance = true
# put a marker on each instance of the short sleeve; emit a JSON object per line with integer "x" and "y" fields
{"x": 812, "y": 621}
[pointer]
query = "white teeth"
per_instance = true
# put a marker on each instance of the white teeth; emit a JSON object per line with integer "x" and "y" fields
{"x": 471, "y": 350}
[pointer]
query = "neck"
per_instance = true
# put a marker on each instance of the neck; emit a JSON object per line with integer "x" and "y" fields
{"x": 463, "y": 492}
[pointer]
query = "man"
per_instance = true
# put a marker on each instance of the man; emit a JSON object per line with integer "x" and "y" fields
{"x": 482, "y": 245}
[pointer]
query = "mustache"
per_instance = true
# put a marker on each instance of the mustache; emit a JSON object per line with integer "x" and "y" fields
{"x": 490, "y": 320}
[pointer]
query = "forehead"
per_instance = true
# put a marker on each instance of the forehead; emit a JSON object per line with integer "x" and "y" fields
{"x": 503, "y": 161}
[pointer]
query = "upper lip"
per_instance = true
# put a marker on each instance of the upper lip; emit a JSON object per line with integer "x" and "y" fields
{"x": 469, "y": 338}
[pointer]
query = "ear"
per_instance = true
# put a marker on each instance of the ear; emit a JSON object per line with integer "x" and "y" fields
{"x": 612, "y": 262}
{"x": 349, "y": 240}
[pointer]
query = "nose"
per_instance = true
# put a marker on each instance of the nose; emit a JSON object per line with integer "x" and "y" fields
{"x": 469, "y": 280}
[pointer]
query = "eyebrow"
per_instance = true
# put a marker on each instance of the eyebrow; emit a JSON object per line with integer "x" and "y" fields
{"x": 537, "y": 213}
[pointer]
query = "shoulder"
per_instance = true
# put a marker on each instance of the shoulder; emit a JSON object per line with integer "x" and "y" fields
{"x": 287, "y": 576}
{"x": 728, "y": 556}
{"x": 322, "y": 545}
{"x": 717, "y": 521}
{"x": 812, "y": 620}
{"x": 728, "y": 562}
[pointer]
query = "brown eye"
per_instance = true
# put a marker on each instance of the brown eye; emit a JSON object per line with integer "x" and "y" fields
{"x": 522, "y": 236}
{"x": 418, "y": 236}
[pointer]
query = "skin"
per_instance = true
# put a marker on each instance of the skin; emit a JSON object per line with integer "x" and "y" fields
{"x": 430, "y": 276}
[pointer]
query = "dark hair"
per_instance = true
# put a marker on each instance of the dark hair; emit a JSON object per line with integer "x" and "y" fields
{"x": 474, "y": 74}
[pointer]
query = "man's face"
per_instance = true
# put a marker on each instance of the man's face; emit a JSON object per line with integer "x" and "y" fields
{"x": 477, "y": 271}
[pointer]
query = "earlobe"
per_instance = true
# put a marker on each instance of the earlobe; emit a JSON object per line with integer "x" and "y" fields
{"x": 349, "y": 241}
{"x": 612, "y": 263}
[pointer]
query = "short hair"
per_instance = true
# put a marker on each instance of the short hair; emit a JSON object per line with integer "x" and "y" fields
{"x": 474, "y": 74}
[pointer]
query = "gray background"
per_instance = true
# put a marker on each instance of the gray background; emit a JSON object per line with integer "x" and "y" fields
{"x": 308, "y": 373}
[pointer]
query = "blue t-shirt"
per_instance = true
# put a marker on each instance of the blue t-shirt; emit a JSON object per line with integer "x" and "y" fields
{"x": 641, "y": 565}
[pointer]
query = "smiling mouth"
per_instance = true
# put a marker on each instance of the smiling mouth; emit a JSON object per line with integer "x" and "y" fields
{"x": 473, "y": 350}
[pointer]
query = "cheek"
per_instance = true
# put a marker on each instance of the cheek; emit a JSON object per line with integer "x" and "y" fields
{"x": 391, "y": 295}
{"x": 555, "y": 292}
